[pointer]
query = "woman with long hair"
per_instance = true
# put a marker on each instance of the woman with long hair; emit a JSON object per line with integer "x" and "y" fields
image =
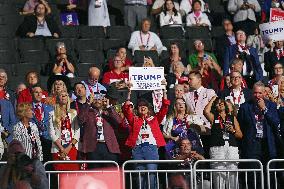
{"x": 64, "y": 132}
{"x": 177, "y": 128}
{"x": 225, "y": 132}
{"x": 175, "y": 55}
{"x": 170, "y": 16}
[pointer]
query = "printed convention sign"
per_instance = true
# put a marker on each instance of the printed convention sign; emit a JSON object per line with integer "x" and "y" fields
{"x": 146, "y": 78}
{"x": 276, "y": 15}
{"x": 272, "y": 31}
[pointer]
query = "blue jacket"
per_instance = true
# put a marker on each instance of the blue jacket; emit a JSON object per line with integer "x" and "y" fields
{"x": 230, "y": 54}
{"x": 46, "y": 109}
{"x": 8, "y": 116}
{"x": 246, "y": 118}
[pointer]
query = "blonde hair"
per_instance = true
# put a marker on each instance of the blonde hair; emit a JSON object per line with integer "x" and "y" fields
{"x": 59, "y": 112}
{"x": 22, "y": 109}
{"x": 53, "y": 87}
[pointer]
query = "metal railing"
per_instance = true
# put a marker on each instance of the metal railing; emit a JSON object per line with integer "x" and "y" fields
{"x": 50, "y": 172}
{"x": 274, "y": 171}
{"x": 228, "y": 178}
{"x": 162, "y": 176}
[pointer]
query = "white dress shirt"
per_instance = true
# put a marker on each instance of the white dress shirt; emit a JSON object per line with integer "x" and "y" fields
{"x": 192, "y": 19}
{"x": 149, "y": 40}
{"x": 170, "y": 19}
{"x": 186, "y": 6}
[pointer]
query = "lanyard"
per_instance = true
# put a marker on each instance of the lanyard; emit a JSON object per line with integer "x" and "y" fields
{"x": 90, "y": 87}
{"x": 77, "y": 107}
{"x": 238, "y": 98}
{"x": 221, "y": 121}
{"x": 279, "y": 53}
{"x": 142, "y": 39}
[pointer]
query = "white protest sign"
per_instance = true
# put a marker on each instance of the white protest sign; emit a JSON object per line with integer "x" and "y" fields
{"x": 272, "y": 31}
{"x": 146, "y": 78}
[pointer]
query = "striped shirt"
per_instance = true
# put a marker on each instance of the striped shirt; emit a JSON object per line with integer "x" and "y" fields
{"x": 20, "y": 133}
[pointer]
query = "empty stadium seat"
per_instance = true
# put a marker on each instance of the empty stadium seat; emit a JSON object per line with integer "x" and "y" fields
{"x": 139, "y": 57}
{"x": 34, "y": 56}
{"x": 118, "y": 32}
{"x": 217, "y": 31}
{"x": 24, "y": 68}
{"x": 7, "y": 9}
{"x": 69, "y": 31}
{"x": 84, "y": 69}
{"x": 28, "y": 44}
{"x": 7, "y": 31}
{"x": 8, "y": 57}
{"x": 91, "y": 32}
{"x": 91, "y": 57}
{"x": 88, "y": 44}
{"x": 170, "y": 32}
{"x": 113, "y": 43}
{"x": 193, "y": 32}
{"x": 7, "y": 44}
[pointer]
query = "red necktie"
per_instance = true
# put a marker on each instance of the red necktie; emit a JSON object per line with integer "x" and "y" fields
{"x": 195, "y": 97}
{"x": 38, "y": 114}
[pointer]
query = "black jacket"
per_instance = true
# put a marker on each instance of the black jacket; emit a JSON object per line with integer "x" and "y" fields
{"x": 30, "y": 25}
{"x": 226, "y": 92}
{"x": 270, "y": 59}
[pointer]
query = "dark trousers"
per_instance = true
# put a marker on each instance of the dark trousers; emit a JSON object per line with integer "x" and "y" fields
{"x": 101, "y": 153}
{"x": 260, "y": 153}
{"x": 46, "y": 149}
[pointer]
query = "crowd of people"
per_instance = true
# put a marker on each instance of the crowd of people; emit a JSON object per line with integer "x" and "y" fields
{"x": 214, "y": 105}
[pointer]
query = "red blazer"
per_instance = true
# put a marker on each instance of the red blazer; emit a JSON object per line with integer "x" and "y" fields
{"x": 87, "y": 119}
{"x": 136, "y": 122}
{"x": 26, "y": 96}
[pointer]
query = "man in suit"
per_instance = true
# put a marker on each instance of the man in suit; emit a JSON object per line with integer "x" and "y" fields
{"x": 274, "y": 56}
{"x": 225, "y": 40}
{"x": 237, "y": 94}
{"x": 5, "y": 92}
{"x": 99, "y": 141}
{"x": 32, "y": 79}
{"x": 252, "y": 70}
{"x": 41, "y": 119}
{"x": 198, "y": 98}
{"x": 7, "y": 121}
{"x": 259, "y": 123}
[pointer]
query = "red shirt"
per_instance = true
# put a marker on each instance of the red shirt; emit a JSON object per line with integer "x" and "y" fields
{"x": 26, "y": 96}
{"x": 127, "y": 62}
{"x": 110, "y": 77}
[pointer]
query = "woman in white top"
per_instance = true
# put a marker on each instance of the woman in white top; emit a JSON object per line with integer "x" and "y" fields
{"x": 197, "y": 17}
{"x": 98, "y": 13}
{"x": 170, "y": 16}
{"x": 27, "y": 132}
{"x": 186, "y": 6}
{"x": 64, "y": 132}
